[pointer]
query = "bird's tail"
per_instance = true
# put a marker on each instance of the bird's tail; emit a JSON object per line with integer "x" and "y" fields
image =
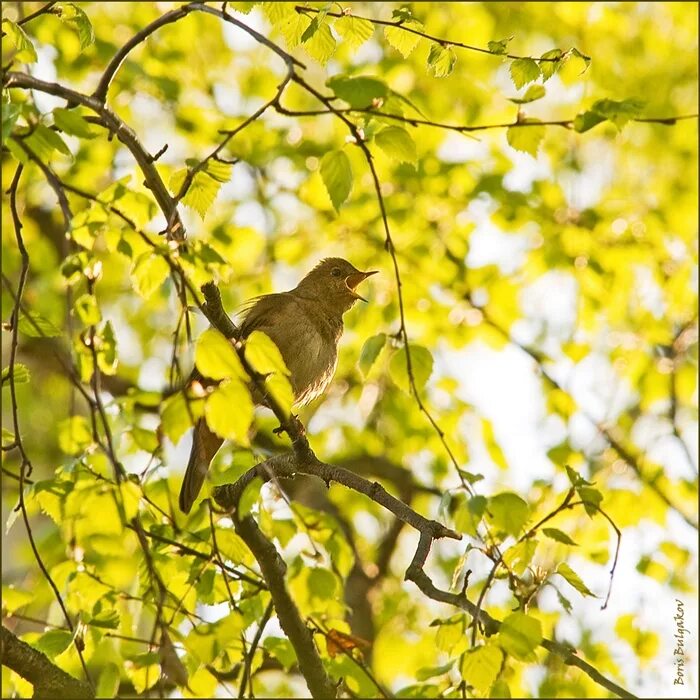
{"x": 205, "y": 444}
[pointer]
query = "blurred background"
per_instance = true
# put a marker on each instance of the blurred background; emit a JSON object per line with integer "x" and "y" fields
{"x": 555, "y": 290}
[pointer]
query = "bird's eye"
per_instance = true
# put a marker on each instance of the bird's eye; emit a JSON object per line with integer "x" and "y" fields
{"x": 335, "y": 272}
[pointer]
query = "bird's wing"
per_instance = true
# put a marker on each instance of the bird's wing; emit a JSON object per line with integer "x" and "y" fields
{"x": 266, "y": 312}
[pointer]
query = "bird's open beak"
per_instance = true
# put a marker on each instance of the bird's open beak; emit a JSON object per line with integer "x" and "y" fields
{"x": 354, "y": 279}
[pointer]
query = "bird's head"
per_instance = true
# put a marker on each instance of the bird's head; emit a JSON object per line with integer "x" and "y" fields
{"x": 333, "y": 282}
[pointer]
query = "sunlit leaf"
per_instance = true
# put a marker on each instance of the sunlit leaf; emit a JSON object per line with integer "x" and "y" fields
{"x": 481, "y": 666}
{"x": 359, "y": 91}
{"x": 420, "y": 371}
{"x": 370, "y": 351}
{"x": 216, "y": 358}
{"x": 402, "y": 40}
{"x": 355, "y": 31}
{"x": 76, "y": 18}
{"x": 229, "y": 410}
{"x": 520, "y": 635}
{"x": 263, "y": 355}
{"x": 441, "y": 60}
{"x": 148, "y": 273}
{"x": 526, "y": 138}
{"x": 524, "y": 71}
{"x": 508, "y": 512}
{"x": 559, "y": 536}
{"x": 574, "y": 579}
{"x": 24, "y": 49}
{"x": 397, "y": 143}
{"x": 337, "y": 177}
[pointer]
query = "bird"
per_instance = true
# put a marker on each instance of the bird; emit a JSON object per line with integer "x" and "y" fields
{"x": 306, "y": 324}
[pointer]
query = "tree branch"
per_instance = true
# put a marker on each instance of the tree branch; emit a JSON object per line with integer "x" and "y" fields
{"x": 125, "y": 134}
{"x": 439, "y": 40}
{"x": 49, "y": 680}
{"x": 273, "y": 569}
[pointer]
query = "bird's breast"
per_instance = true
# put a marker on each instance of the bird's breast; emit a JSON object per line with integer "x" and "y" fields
{"x": 311, "y": 357}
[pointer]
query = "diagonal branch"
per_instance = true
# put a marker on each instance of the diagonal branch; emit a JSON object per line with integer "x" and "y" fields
{"x": 124, "y": 133}
{"x": 439, "y": 40}
{"x": 49, "y": 680}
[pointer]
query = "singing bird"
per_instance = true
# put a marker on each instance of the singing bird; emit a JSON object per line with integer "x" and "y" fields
{"x": 306, "y": 324}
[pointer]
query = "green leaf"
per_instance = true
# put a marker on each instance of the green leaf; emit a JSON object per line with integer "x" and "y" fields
{"x": 20, "y": 372}
{"x": 106, "y": 343}
{"x": 108, "y": 682}
{"x": 559, "y": 536}
{"x": 148, "y": 273}
{"x": 494, "y": 449}
{"x": 216, "y": 358}
{"x": 76, "y": 18}
{"x": 25, "y": 51}
{"x": 293, "y": 27}
{"x": 70, "y": 121}
{"x": 421, "y": 367}
{"x": 526, "y": 138}
{"x": 422, "y": 674}
{"x": 87, "y": 310}
{"x": 534, "y": 92}
{"x": 441, "y": 60}
{"x": 519, "y": 635}
{"x": 53, "y": 642}
{"x": 249, "y": 497}
{"x": 279, "y": 387}
{"x": 469, "y": 513}
{"x": 263, "y": 355}
{"x": 147, "y": 440}
{"x": 205, "y": 185}
{"x": 358, "y": 92}
{"x": 229, "y": 411}
{"x": 355, "y": 31}
{"x": 321, "y": 45}
{"x": 178, "y": 414}
{"x": 500, "y": 46}
{"x": 481, "y": 666}
{"x": 131, "y": 498}
{"x": 574, "y": 579}
{"x": 322, "y": 584}
{"x": 564, "y": 601}
{"x": 42, "y": 142}
{"x": 591, "y": 498}
{"x": 337, "y": 177}
{"x": 13, "y": 598}
{"x": 74, "y": 435}
{"x": 549, "y": 68}
{"x": 397, "y": 143}
{"x": 572, "y": 66}
{"x": 500, "y": 689}
{"x": 317, "y": 21}
{"x": 370, "y": 351}
{"x": 619, "y": 113}
{"x": 10, "y": 114}
{"x": 282, "y": 650}
{"x": 576, "y": 479}
{"x": 108, "y": 618}
{"x": 586, "y": 121}
{"x": 404, "y": 42}
{"x": 508, "y": 512}
{"x": 278, "y": 12}
{"x": 524, "y": 71}
{"x": 36, "y": 326}
{"x": 519, "y": 556}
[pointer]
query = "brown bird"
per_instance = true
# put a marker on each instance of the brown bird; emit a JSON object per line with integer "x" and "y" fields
{"x": 306, "y": 324}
